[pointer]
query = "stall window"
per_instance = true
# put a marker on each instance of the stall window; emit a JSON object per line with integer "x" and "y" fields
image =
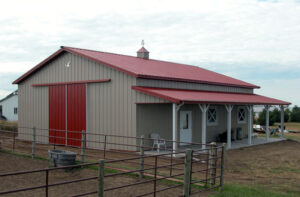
{"x": 212, "y": 116}
{"x": 241, "y": 115}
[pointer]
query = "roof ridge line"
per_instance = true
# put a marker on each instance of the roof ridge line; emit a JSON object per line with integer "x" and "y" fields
{"x": 181, "y": 64}
{"x": 98, "y": 51}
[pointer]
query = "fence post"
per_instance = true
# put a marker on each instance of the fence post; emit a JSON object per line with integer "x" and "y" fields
{"x": 101, "y": 178}
{"x": 212, "y": 163}
{"x": 171, "y": 167}
{"x": 155, "y": 177}
{"x": 14, "y": 142}
{"x": 222, "y": 165}
{"x": 187, "y": 173}
{"x": 33, "y": 142}
{"x": 104, "y": 152}
{"x": 47, "y": 183}
{"x": 82, "y": 145}
{"x": 142, "y": 157}
{"x": 54, "y": 139}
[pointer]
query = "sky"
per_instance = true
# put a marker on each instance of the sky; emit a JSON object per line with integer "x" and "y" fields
{"x": 255, "y": 41}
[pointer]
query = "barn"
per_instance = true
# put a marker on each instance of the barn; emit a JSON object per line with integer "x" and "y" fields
{"x": 98, "y": 92}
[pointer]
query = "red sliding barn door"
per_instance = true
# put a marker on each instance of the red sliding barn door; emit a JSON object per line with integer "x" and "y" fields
{"x": 67, "y": 112}
{"x": 57, "y": 114}
{"x": 76, "y": 113}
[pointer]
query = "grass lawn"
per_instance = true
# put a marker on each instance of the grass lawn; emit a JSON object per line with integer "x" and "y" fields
{"x": 291, "y": 136}
{"x": 294, "y": 126}
{"x": 290, "y": 126}
{"x": 263, "y": 170}
{"x": 233, "y": 190}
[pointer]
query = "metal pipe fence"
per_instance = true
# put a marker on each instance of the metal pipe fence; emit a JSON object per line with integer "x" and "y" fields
{"x": 194, "y": 170}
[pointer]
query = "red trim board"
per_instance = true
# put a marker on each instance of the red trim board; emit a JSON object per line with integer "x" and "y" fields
{"x": 72, "y": 82}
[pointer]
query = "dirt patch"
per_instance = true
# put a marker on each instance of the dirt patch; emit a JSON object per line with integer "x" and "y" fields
{"x": 92, "y": 155}
{"x": 275, "y": 166}
{"x": 10, "y": 163}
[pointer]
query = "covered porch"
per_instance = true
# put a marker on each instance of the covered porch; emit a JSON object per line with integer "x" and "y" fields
{"x": 234, "y": 145}
{"x": 204, "y": 116}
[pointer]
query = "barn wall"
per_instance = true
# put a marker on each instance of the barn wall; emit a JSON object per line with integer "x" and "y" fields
{"x": 111, "y": 105}
{"x": 190, "y": 86}
{"x": 33, "y": 111}
{"x": 154, "y": 118}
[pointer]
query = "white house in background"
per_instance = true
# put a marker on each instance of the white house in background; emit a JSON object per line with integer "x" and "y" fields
{"x": 9, "y": 106}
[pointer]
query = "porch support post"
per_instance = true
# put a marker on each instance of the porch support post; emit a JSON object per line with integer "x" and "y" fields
{"x": 174, "y": 134}
{"x": 175, "y": 109}
{"x": 267, "y": 107}
{"x": 204, "y": 108}
{"x": 282, "y": 122}
{"x": 250, "y": 126}
{"x": 229, "y": 109}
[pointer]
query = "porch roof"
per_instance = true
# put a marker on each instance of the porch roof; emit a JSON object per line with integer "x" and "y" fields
{"x": 198, "y": 96}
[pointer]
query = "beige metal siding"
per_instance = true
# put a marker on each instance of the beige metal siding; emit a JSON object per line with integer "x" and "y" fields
{"x": 154, "y": 118}
{"x": 190, "y": 86}
{"x": 112, "y": 110}
{"x": 33, "y": 112}
{"x": 111, "y": 106}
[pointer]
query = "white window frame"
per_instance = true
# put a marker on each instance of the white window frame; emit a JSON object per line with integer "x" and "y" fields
{"x": 207, "y": 116}
{"x": 238, "y": 113}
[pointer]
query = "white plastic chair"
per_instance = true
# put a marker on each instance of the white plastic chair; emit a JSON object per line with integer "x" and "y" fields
{"x": 157, "y": 141}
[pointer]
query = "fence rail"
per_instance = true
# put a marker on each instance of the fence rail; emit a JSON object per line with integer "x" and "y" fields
{"x": 194, "y": 170}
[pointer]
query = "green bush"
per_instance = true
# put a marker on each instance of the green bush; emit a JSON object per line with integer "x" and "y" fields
{"x": 275, "y": 116}
{"x": 295, "y": 114}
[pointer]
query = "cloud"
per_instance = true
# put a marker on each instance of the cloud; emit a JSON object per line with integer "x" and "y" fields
{"x": 246, "y": 39}
{"x": 5, "y": 83}
{"x": 283, "y": 89}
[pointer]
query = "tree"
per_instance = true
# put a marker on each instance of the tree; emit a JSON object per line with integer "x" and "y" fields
{"x": 275, "y": 115}
{"x": 295, "y": 114}
{"x": 262, "y": 118}
{"x": 287, "y": 114}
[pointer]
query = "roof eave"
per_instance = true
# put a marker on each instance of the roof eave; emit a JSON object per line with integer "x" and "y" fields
{"x": 174, "y": 100}
{"x": 139, "y": 89}
{"x": 98, "y": 61}
{"x": 235, "y": 103}
{"x": 41, "y": 64}
{"x": 34, "y": 69}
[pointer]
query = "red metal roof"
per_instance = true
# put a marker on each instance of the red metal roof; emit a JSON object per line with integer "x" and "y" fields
{"x": 146, "y": 68}
{"x": 197, "y": 96}
{"x": 143, "y": 50}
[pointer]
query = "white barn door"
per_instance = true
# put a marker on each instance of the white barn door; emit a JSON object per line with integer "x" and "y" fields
{"x": 185, "y": 127}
